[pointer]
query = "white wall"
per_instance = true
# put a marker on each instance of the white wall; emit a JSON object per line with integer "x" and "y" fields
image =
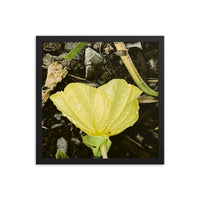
{"x": 21, "y": 21}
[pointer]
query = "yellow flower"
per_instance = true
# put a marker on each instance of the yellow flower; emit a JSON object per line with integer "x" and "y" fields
{"x": 103, "y": 111}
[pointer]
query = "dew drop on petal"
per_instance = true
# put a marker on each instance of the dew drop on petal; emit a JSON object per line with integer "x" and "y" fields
{"x": 124, "y": 94}
{"x": 118, "y": 110}
{"x": 106, "y": 122}
{"x": 119, "y": 131}
{"x": 79, "y": 107}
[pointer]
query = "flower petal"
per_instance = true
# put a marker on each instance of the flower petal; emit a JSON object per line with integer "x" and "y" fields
{"x": 107, "y": 110}
{"x": 73, "y": 103}
{"x": 124, "y": 105}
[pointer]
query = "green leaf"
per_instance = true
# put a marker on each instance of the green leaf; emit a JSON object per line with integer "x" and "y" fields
{"x": 95, "y": 143}
{"x": 61, "y": 155}
{"x": 75, "y": 50}
{"x": 120, "y": 46}
{"x": 156, "y": 128}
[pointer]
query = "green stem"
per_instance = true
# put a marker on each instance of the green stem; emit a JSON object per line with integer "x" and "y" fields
{"x": 75, "y": 50}
{"x": 104, "y": 151}
{"x": 120, "y": 46}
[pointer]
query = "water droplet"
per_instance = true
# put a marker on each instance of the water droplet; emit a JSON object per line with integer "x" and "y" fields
{"x": 79, "y": 107}
{"x": 106, "y": 123}
{"x": 124, "y": 94}
{"x": 130, "y": 123}
{"x": 75, "y": 101}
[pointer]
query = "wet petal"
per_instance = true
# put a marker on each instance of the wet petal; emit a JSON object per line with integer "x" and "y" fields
{"x": 107, "y": 110}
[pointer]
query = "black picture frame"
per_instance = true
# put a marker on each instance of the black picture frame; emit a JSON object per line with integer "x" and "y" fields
{"x": 40, "y": 40}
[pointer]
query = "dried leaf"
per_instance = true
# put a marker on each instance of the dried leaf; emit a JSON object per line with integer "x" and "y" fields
{"x": 55, "y": 74}
{"x": 147, "y": 99}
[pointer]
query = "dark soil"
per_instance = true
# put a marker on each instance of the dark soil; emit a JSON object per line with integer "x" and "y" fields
{"x": 138, "y": 141}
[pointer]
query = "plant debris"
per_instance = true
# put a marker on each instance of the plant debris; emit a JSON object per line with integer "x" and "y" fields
{"x": 55, "y": 74}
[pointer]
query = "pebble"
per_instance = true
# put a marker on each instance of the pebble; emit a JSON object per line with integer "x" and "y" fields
{"x": 70, "y": 45}
{"x": 56, "y": 125}
{"x": 62, "y": 145}
{"x": 92, "y": 58}
{"x": 121, "y": 62}
{"x": 136, "y": 44}
{"x": 108, "y": 49}
{"x": 66, "y": 64}
{"x": 47, "y": 59}
{"x": 52, "y": 46}
{"x": 61, "y": 56}
{"x": 155, "y": 134}
{"x": 97, "y": 45}
{"x": 58, "y": 116}
{"x": 139, "y": 138}
{"x": 78, "y": 57}
{"x": 105, "y": 76}
{"x": 153, "y": 65}
{"x": 75, "y": 140}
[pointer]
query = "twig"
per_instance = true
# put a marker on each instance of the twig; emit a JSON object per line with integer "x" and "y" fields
{"x": 147, "y": 99}
{"x": 79, "y": 78}
{"x": 87, "y": 82}
{"x": 153, "y": 80}
{"x": 108, "y": 70}
{"x": 132, "y": 140}
{"x": 104, "y": 151}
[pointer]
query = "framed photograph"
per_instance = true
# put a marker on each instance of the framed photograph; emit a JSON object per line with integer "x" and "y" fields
{"x": 100, "y": 99}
